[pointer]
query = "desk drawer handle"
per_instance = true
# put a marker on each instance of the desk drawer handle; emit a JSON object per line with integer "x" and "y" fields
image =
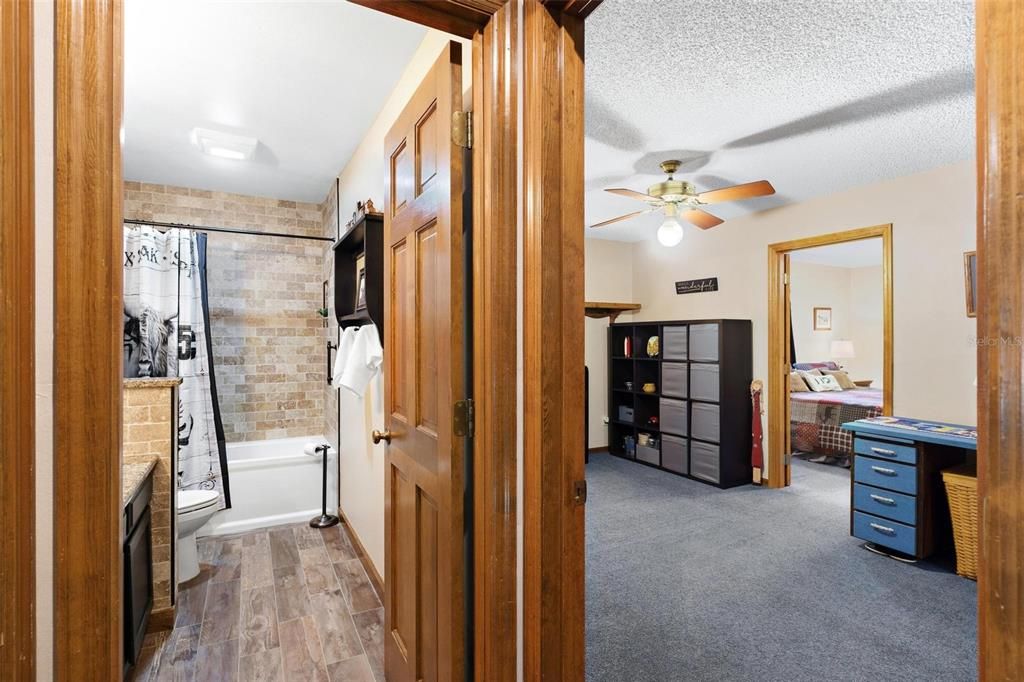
{"x": 884, "y": 529}
{"x": 884, "y": 500}
{"x": 883, "y": 451}
{"x": 885, "y": 471}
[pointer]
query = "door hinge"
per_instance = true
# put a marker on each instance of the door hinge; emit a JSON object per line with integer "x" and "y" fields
{"x": 462, "y": 129}
{"x": 579, "y": 492}
{"x": 785, "y": 278}
{"x": 463, "y": 418}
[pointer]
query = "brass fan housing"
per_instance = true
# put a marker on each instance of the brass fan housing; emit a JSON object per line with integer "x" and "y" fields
{"x": 671, "y": 190}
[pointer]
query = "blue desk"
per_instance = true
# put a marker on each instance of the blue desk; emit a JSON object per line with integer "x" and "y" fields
{"x": 897, "y": 499}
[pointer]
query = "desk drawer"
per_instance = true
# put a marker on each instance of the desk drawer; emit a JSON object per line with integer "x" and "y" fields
{"x": 885, "y": 503}
{"x": 883, "y": 474}
{"x": 885, "y": 532}
{"x": 884, "y": 450}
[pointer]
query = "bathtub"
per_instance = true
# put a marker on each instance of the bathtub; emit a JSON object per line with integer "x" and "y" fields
{"x": 272, "y": 483}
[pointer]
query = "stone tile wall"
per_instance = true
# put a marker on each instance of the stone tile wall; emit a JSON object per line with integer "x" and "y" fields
{"x": 269, "y": 343}
{"x": 150, "y": 427}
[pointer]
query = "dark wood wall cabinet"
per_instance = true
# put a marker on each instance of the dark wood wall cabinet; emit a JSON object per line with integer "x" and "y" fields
{"x": 365, "y": 240}
{"x": 688, "y": 400}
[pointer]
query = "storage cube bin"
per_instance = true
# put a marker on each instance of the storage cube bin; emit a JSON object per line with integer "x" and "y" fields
{"x": 674, "y": 379}
{"x": 673, "y": 416}
{"x": 704, "y": 342}
{"x": 674, "y": 342}
{"x": 704, "y": 461}
{"x": 674, "y": 455}
{"x": 625, "y": 414}
{"x": 645, "y": 453}
{"x": 705, "y": 424}
{"x": 704, "y": 382}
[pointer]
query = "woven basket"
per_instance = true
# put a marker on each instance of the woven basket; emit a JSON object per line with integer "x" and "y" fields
{"x": 962, "y": 490}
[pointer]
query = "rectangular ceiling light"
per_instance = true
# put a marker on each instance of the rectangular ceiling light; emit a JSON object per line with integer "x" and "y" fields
{"x": 224, "y": 145}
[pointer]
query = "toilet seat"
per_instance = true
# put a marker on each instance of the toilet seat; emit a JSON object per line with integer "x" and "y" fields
{"x": 194, "y": 500}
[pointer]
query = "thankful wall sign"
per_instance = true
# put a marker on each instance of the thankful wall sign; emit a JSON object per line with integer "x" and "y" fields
{"x": 696, "y": 286}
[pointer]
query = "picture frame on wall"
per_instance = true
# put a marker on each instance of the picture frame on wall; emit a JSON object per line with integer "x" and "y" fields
{"x": 971, "y": 282}
{"x": 361, "y": 282}
{"x": 822, "y": 319}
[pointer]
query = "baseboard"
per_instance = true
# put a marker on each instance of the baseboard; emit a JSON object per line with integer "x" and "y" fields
{"x": 599, "y": 448}
{"x": 364, "y": 556}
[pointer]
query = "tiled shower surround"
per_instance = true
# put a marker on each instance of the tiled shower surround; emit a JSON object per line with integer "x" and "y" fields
{"x": 269, "y": 344}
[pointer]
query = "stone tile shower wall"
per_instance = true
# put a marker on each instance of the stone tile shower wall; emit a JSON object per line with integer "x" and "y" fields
{"x": 268, "y": 340}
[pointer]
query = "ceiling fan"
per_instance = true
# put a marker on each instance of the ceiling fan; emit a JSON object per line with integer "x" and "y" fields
{"x": 679, "y": 200}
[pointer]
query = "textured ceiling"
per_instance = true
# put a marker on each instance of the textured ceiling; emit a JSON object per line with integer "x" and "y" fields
{"x": 816, "y": 96}
{"x": 859, "y": 254}
{"x": 306, "y": 78}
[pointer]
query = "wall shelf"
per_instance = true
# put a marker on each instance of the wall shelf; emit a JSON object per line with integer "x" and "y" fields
{"x": 366, "y": 237}
{"x": 600, "y": 309}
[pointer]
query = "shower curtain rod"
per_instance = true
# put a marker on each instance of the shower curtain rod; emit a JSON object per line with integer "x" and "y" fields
{"x": 228, "y": 230}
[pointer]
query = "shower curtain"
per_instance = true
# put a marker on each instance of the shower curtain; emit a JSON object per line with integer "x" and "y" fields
{"x": 167, "y": 334}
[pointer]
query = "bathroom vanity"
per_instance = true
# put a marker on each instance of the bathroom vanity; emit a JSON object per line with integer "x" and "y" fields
{"x": 137, "y": 544}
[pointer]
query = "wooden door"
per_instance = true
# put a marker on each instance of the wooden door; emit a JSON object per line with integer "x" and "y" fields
{"x": 787, "y": 367}
{"x": 424, "y": 376}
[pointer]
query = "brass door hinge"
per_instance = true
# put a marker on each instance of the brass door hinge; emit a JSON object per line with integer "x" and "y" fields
{"x": 579, "y": 492}
{"x": 462, "y": 129}
{"x": 463, "y": 418}
{"x": 785, "y": 278}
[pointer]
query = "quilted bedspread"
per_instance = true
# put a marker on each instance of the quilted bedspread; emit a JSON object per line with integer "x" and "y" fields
{"x": 816, "y": 418}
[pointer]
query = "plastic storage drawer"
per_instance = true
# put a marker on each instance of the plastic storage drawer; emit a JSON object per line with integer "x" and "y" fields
{"x": 704, "y": 382}
{"x": 674, "y": 379}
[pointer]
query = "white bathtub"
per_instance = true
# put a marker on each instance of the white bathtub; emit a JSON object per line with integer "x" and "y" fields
{"x": 272, "y": 483}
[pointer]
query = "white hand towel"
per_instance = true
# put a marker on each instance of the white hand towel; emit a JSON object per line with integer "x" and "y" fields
{"x": 348, "y": 337}
{"x": 364, "y": 360}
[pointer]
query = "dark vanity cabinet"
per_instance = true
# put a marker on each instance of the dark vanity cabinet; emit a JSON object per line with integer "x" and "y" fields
{"x": 138, "y": 570}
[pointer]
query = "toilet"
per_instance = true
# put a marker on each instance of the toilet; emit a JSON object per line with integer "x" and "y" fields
{"x": 195, "y": 508}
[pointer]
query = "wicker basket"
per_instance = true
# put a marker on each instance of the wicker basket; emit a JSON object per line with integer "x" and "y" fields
{"x": 962, "y": 490}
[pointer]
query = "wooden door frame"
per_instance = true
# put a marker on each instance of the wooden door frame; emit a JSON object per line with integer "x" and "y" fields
{"x": 778, "y": 343}
{"x": 999, "y": 86}
{"x": 17, "y": 348}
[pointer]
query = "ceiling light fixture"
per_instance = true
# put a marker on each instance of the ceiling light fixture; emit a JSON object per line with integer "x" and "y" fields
{"x": 224, "y": 145}
{"x": 671, "y": 232}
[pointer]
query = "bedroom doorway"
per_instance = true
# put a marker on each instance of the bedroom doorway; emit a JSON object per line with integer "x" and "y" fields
{"x": 832, "y": 268}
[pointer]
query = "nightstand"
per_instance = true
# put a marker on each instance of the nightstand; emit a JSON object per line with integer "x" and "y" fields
{"x": 863, "y": 383}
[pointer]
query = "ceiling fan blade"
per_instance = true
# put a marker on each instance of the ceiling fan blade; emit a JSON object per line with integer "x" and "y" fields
{"x": 701, "y": 219}
{"x": 632, "y": 194}
{"x": 761, "y": 188}
{"x": 622, "y": 217}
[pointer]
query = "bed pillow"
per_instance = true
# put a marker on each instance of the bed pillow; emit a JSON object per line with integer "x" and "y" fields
{"x": 797, "y": 383}
{"x": 815, "y": 365}
{"x": 822, "y": 383}
{"x": 842, "y": 377}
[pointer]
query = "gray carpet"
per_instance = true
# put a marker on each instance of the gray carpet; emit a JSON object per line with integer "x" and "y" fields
{"x": 688, "y": 582}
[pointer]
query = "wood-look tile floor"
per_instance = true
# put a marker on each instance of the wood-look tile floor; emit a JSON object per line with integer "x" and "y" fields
{"x": 284, "y": 604}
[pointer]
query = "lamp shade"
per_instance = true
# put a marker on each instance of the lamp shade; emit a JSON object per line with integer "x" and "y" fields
{"x": 842, "y": 349}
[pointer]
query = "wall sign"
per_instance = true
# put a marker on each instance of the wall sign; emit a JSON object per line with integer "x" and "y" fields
{"x": 696, "y": 286}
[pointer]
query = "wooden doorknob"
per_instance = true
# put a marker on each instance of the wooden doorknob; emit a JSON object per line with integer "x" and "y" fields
{"x": 379, "y": 436}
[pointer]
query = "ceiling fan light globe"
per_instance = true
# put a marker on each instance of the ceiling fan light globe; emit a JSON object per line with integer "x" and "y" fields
{"x": 670, "y": 233}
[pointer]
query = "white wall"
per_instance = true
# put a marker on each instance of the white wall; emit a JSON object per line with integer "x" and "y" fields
{"x": 362, "y": 463}
{"x": 43, "y": 46}
{"x": 609, "y": 278}
{"x": 855, "y": 296}
{"x": 933, "y": 217}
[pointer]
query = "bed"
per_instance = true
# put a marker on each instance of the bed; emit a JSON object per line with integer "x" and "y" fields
{"x": 816, "y": 420}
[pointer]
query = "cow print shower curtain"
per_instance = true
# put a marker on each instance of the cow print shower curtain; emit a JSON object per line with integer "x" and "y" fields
{"x": 167, "y": 334}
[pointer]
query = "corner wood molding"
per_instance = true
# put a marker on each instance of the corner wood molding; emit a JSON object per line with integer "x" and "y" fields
{"x": 17, "y": 359}
{"x": 600, "y": 309}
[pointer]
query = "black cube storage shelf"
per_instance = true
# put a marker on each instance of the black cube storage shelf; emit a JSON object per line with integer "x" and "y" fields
{"x": 701, "y": 401}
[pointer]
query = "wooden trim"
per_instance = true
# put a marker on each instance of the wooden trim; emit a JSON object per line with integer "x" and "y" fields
{"x": 552, "y": 166}
{"x": 17, "y": 349}
{"x": 463, "y": 18}
{"x": 577, "y": 8}
{"x": 1000, "y": 139}
{"x": 496, "y": 82}
{"x": 778, "y": 393}
{"x": 87, "y": 335}
{"x": 364, "y": 556}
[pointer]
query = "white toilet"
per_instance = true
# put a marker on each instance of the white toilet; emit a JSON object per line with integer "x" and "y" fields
{"x": 195, "y": 508}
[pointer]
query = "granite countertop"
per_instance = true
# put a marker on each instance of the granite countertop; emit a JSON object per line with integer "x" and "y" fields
{"x": 152, "y": 382}
{"x": 132, "y": 476}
